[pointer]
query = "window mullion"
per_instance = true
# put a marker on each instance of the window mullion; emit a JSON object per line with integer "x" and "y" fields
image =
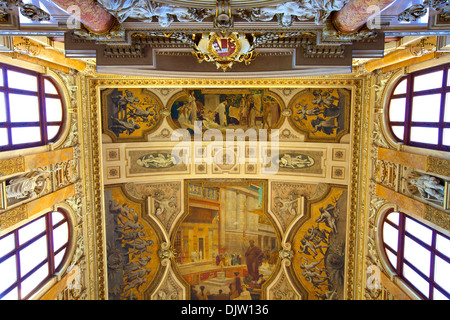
{"x": 432, "y": 264}
{"x": 401, "y": 243}
{"x": 7, "y": 108}
{"x": 408, "y": 109}
{"x": 42, "y": 110}
{"x": 18, "y": 273}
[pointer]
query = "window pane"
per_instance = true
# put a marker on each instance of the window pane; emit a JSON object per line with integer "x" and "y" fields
{"x": 49, "y": 87}
{"x": 31, "y": 230}
{"x": 392, "y": 258}
{"x": 57, "y": 217}
{"x": 398, "y": 131}
{"x": 52, "y": 131}
{"x": 54, "y": 109}
{"x": 8, "y": 273}
{"x": 428, "y": 81}
{"x": 426, "y": 108}
{"x": 1, "y": 77}
{"x": 58, "y": 258}
{"x": 393, "y": 217}
{"x": 447, "y": 108}
{"x": 6, "y": 245}
{"x": 443, "y": 245}
{"x": 424, "y": 135}
{"x": 25, "y": 135}
{"x": 446, "y": 137}
{"x": 32, "y": 255}
{"x": 23, "y": 108}
{"x": 441, "y": 274}
{"x": 437, "y": 295}
{"x": 417, "y": 255}
{"x": 3, "y": 137}
{"x": 33, "y": 281}
{"x": 2, "y": 107}
{"x": 419, "y": 231}
{"x": 60, "y": 236}
{"x": 397, "y": 110}
{"x": 12, "y": 295}
{"x": 390, "y": 236}
{"x": 18, "y": 80}
{"x": 420, "y": 283}
{"x": 401, "y": 87}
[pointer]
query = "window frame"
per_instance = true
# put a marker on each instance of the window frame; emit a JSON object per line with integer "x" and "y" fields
{"x": 401, "y": 260}
{"x": 53, "y": 270}
{"x": 41, "y": 96}
{"x": 410, "y": 93}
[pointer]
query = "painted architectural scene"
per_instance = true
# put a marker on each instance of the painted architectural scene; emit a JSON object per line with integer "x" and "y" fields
{"x": 227, "y": 248}
{"x": 322, "y": 112}
{"x": 226, "y": 109}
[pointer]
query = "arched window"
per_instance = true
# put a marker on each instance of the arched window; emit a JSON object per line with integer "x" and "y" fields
{"x": 32, "y": 254}
{"x": 31, "y": 109}
{"x": 419, "y": 254}
{"x": 419, "y": 109}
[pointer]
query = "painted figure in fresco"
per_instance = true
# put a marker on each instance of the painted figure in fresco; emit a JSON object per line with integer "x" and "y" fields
{"x": 304, "y": 112}
{"x": 222, "y": 111}
{"x": 138, "y": 247}
{"x": 235, "y": 287}
{"x": 131, "y": 223}
{"x": 184, "y": 115}
{"x": 317, "y": 282}
{"x": 156, "y": 161}
{"x": 310, "y": 266}
{"x": 329, "y": 295}
{"x": 429, "y": 187}
{"x": 244, "y": 109}
{"x": 192, "y": 106}
{"x": 299, "y": 161}
{"x": 327, "y": 126}
{"x": 166, "y": 206}
{"x": 202, "y": 295}
{"x": 122, "y": 102}
{"x": 286, "y": 205}
{"x": 253, "y": 257}
{"x": 324, "y": 99}
{"x": 311, "y": 248}
{"x": 136, "y": 112}
{"x": 316, "y": 235}
{"x": 120, "y": 126}
{"x": 328, "y": 215}
{"x": 245, "y": 294}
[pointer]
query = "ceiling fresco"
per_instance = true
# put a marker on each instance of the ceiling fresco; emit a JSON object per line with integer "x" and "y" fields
{"x": 228, "y": 230}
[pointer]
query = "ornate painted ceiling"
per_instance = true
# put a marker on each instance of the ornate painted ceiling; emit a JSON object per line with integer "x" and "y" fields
{"x": 163, "y": 226}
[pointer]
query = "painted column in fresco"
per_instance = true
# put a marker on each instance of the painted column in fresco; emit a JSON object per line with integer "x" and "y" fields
{"x": 357, "y": 12}
{"x": 96, "y": 19}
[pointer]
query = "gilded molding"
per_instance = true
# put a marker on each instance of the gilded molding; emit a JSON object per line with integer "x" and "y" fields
{"x": 12, "y": 166}
{"x": 438, "y": 166}
{"x": 13, "y": 216}
{"x": 437, "y": 217}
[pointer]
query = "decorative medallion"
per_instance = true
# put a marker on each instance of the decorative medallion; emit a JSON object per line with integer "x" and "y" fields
{"x": 224, "y": 49}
